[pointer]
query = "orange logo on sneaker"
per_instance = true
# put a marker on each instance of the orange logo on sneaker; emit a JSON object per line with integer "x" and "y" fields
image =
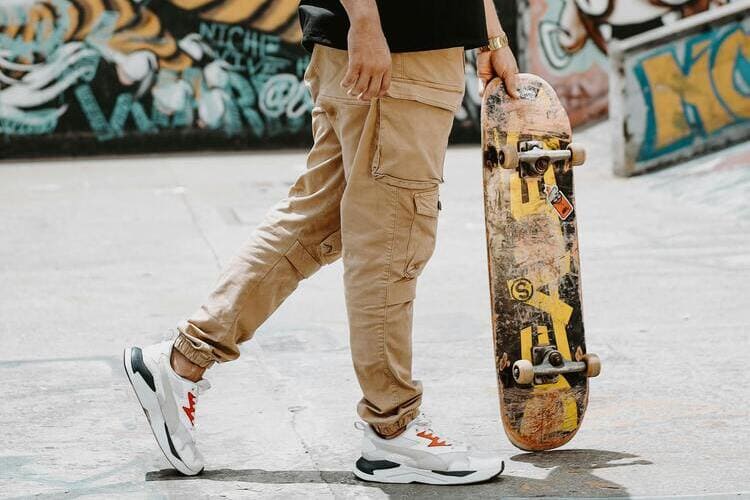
{"x": 434, "y": 440}
{"x": 190, "y": 411}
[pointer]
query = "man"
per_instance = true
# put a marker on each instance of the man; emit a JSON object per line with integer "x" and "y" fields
{"x": 386, "y": 78}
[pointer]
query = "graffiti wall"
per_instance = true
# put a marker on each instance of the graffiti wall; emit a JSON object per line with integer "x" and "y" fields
{"x": 682, "y": 93}
{"x": 566, "y": 41}
{"x": 114, "y": 76}
{"x": 108, "y": 75}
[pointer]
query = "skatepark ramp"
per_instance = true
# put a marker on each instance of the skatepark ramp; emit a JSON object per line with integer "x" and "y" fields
{"x": 681, "y": 90}
{"x": 567, "y": 42}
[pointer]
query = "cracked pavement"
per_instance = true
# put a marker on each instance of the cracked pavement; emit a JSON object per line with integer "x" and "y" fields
{"x": 99, "y": 253}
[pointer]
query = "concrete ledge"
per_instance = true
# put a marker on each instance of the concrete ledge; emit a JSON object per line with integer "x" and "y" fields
{"x": 681, "y": 90}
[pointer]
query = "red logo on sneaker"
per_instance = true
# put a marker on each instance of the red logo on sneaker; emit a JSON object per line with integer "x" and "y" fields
{"x": 434, "y": 440}
{"x": 190, "y": 411}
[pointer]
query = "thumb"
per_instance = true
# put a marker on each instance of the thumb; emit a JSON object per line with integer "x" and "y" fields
{"x": 511, "y": 84}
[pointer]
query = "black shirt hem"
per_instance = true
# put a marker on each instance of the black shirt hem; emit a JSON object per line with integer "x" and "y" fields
{"x": 310, "y": 39}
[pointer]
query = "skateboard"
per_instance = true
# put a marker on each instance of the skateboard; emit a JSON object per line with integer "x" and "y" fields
{"x": 532, "y": 247}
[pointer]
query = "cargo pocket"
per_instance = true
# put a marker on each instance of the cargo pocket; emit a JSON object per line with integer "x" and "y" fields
{"x": 423, "y": 233}
{"x": 414, "y": 125}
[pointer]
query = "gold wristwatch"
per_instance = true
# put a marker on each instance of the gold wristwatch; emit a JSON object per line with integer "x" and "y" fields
{"x": 495, "y": 43}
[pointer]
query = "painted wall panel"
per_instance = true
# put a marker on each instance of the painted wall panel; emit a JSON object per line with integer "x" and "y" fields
{"x": 109, "y": 76}
{"x": 565, "y": 41}
{"x": 682, "y": 90}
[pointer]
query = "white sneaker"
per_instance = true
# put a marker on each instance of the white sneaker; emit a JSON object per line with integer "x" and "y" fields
{"x": 420, "y": 455}
{"x": 168, "y": 401}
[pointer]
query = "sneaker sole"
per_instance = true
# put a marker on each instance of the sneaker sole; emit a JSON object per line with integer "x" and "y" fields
{"x": 384, "y": 471}
{"x": 142, "y": 382}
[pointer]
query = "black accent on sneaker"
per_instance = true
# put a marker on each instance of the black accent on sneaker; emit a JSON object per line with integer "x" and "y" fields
{"x": 463, "y": 473}
{"x": 370, "y": 466}
{"x": 139, "y": 367}
{"x": 455, "y": 473}
{"x": 171, "y": 445}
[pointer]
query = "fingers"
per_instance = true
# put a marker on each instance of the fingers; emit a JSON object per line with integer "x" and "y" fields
{"x": 510, "y": 81}
{"x": 362, "y": 83}
{"x": 503, "y": 64}
{"x": 366, "y": 83}
{"x": 374, "y": 89}
{"x": 352, "y": 75}
{"x": 386, "y": 83}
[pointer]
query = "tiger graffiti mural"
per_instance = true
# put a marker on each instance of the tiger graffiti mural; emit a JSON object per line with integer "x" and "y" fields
{"x": 568, "y": 42}
{"x": 88, "y": 76}
{"x": 145, "y": 66}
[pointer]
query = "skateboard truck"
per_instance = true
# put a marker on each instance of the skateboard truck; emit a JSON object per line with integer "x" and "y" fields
{"x": 548, "y": 363}
{"x": 533, "y": 160}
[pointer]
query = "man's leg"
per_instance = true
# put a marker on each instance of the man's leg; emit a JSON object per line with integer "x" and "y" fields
{"x": 377, "y": 220}
{"x": 299, "y": 235}
{"x": 393, "y": 150}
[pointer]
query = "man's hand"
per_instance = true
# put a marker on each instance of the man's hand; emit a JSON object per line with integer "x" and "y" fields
{"x": 500, "y": 63}
{"x": 369, "y": 72}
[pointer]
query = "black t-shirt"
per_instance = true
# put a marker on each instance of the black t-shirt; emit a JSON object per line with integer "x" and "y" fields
{"x": 408, "y": 25}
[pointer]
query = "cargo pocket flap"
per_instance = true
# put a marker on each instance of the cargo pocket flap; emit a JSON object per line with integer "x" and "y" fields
{"x": 427, "y": 203}
{"x": 444, "y": 97}
{"x": 401, "y": 291}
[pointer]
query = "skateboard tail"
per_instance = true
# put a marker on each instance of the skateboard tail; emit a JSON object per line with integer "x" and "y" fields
{"x": 545, "y": 421}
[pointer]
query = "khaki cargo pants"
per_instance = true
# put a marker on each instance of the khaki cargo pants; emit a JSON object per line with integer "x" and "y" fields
{"x": 369, "y": 194}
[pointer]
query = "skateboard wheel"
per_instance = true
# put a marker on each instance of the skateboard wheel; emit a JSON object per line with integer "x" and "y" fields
{"x": 508, "y": 157}
{"x": 577, "y": 154}
{"x": 523, "y": 372}
{"x": 593, "y": 365}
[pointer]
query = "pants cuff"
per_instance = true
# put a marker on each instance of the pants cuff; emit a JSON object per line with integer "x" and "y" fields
{"x": 199, "y": 353}
{"x": 396, "y": 427}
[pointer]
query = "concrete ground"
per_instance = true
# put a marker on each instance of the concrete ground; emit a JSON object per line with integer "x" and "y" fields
{"x": 99, "y": 253}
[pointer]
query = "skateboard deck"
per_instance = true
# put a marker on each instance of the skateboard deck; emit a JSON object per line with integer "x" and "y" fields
{"x": 532, "y": 246}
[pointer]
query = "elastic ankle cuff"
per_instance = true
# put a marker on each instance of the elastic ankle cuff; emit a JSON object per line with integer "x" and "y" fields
{"x": 186, "y": 346}
{"x": 387, "y": 431}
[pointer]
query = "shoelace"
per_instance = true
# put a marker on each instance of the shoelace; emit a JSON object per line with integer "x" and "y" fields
{"x": 198, "y": 388}
{"x": 423, "y": 424}
{"x": 424, "y": 428}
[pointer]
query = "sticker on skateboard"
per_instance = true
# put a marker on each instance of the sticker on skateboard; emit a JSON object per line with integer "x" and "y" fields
{"x": 559, "y": 202}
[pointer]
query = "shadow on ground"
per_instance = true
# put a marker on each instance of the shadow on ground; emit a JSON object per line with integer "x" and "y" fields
{"x": 571, "y": 474}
